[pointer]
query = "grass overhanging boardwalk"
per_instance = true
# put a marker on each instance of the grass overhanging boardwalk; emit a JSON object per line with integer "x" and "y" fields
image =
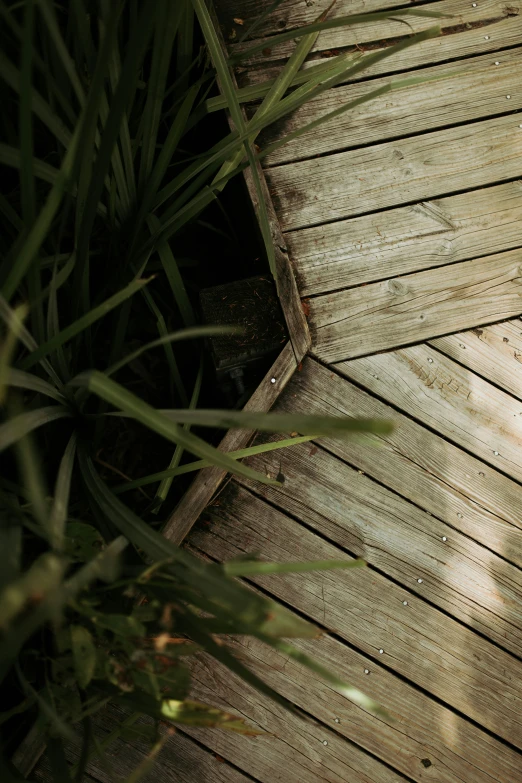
{"x": 402, "y": 224}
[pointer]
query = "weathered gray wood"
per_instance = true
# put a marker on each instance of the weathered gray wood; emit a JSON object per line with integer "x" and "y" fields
{"x": 294, "y": 750}
{"x": 415, "y": 307}
{"x": 495, "y": 352}
{"x": 419, "y": 726}
{"x": 424, "y": 645}
{"x": 289, "y": 13}
{"x": 458, "y": 575}
{"x": 208, "y": 480}
{"x": 406, "y": 111}
{"x": 452, "y": 400}
{"x": 502, "y": 29}
{"x": 396, "y": 172}
{"x": 418, "y": 464}
{"x": 29, "y": 751}
{"x": 398, "y": 241}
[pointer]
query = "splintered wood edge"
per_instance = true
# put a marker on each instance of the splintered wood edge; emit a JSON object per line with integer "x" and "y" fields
{"x": 209, "y": 480}
{"x": 287, "y": 290}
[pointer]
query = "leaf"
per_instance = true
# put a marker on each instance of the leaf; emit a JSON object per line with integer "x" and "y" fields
{"x": 84, "y": 654}
{"x": 194, "y": 713}
{"x": 26, "y": 380}
{"x": 44, "y": 575}
{"x": 112, "y": 392}
{"x": 119, "y": 624}
{"x": 83, "y": 541}
{"x": 62, "y": 490}
{"x": 19, "y": 426}
{"x": 7, "y": 349}
{"x": 255, "y": 568}
{"x": 83, "y": 323}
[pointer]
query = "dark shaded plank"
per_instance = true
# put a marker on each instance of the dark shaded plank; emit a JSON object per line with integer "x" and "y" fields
{"x": 209, "y": 480}
{"x": 495, "y": 352}
{"x": 397, "y": 172}
{"x": 449, "y": 398}
{"x": 415, "y": 307}
{"x": 399, "y": 241}
{"x": 365, "y": 608}
{"x": 402, "y": 112}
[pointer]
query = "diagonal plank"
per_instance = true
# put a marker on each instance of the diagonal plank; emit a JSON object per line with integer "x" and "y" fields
{"x": 495, "y": 352}
{"x": 404, "y": 542}
{"x": 415, "y": 307}
{"x": 412, "y": 109}
{"x": 449, "y": 398}
{"x": 306, "y": 750}
{"x": 421, "y": 466}
{"x": 366, "y": 609}
{"x": 409, "y": 239}
{"x": 384, "y": 175}
{"x": 424, "y": 730}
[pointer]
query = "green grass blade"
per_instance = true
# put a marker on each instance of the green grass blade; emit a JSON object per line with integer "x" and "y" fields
{"x": 249, "y": 568}
{"x": 30, "y": 382}
{"x": 20, "y": 425}
{"x": 168, "y": 16}
{"x": 82, "y": 323}
{"x": 7, "y": 350}
{"x": 69, "y": 68}
{"x": 59, "y": 509}
{"x": 124, "y": 400}
{"x": 251, "y": 451}
{"x": 174, "y": 277}
{"x": 279, "y": 422}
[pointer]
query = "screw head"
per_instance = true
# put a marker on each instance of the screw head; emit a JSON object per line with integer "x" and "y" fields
{"x": 366, "y": 671}
{"x": 430, "y": 361}
{"x": 272, "y": 380}
{"x": 420, "y": 581}
{"x": 405, "y": 603}
{"x": 381, "y": 651}
{"x": 336, "y": 720}
{"x": 495, "y": 453}
{"x": 497, "y": 62}
{"x": 444, "y": 538}
{"x": 486, "y": 37}
{"x": 325, "y": 742}
{"x": 508, "y": 97}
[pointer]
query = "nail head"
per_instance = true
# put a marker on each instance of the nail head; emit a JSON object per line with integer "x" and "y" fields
{"x": 366, "y": 671}
{"x": 336, "y": 720}
{"x": 272, "y": 380}
{"x": 381, "y": 652}
{"x": 486, "y": 37}
{"x": 495, "y": 453}
{"x": 508, "y": 97}
{"x": 430, "y": 361}
{"x": 325, "y": 742}
{"x": 405, "y": 603}
{"x": 420, "y": 581}
{"x": 444, "y": 538}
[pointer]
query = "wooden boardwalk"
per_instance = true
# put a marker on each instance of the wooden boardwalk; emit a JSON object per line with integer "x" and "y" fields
{"x": 402, "y": 222}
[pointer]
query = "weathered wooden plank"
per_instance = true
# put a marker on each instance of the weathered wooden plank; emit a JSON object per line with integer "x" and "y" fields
{"x": 449, "y": 398}
{"x": 418, "y": 728}
{"x": 294, "y": 749}
{"x": 467, "y": 581}
{"x": 495, "y": 352}
{"x": 501, "y": 29}
{"x": 365, "y": 608}
{"x": 289, "y": 13}
{"x": 418, "y": 464}
{"x": 457, "y": 13}
{"x": 208, "y": 480}
{"x": 402, "y": 112}
{"x": 398, "y": 241}
{"x": 384, "y": 315}
{"x": 393, "y": 173}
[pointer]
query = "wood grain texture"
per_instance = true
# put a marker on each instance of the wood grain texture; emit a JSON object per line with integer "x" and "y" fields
{"x": 418, "y": 728}
{"x": 456, "y": 13}
{"x": 495, "y": 352}
{"x": 294, "y": 749}
{"x": 413, "y": 109}
{"x": 366, "y": 609}
{"x": 395, "y": 312}
{"x": 500, "y": 31}
{"x": 451, "y": 399}
{"x": 399, "y": 241}
{"x": 396, "y": 172}
{"x": 208, "y": 480}
{"x": 421, "y": 466}
{"x": 457, "y": 575}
